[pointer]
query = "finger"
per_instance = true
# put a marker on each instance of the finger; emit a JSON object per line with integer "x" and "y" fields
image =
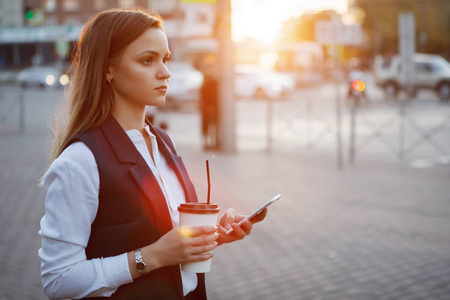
{"x": 221, "y": 229}
{"x": 204, "y": 239}
{"x": 230, "y": 217}
{"x": 205, "y": 248}
{"x": 200, "y": 257}
{"x": 203, "y": 230}
{"x": 238, "y": 231}
{"x": 247, "y": 226}
{"x": 197, "y": 230}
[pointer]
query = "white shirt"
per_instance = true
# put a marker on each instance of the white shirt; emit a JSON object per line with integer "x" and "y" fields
{"x": 71, "y": 204}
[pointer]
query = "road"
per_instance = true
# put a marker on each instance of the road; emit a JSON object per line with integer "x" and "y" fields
{"x": 370, "y": 231}
{"x": 415, "y": 132}
{"x": 406, "y": 131}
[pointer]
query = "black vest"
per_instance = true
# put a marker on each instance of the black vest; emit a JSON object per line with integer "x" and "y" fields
{"x": 132, "y": 211}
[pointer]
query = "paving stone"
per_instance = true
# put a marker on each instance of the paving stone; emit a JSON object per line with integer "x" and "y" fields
{"x": 371, "y": 231}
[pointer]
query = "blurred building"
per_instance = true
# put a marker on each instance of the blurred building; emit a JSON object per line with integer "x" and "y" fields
{"x": 10, "y": 12}
{"x": 45, "y": 31}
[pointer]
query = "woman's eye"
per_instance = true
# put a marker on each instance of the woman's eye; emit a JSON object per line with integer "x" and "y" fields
{"x": 148, "y": 60}
{"x": 166, "y": 59}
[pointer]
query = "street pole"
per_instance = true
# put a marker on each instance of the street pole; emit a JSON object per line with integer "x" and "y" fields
{"x": 339, "y": 152}
{"x": 407, "y": 48}
{"x": 227, "y": 130}
{"x": 22, "y": 110}
{"x": 269, "y": 124}
{"x": 177, "y": 43}
{"x": 352, "y": 130}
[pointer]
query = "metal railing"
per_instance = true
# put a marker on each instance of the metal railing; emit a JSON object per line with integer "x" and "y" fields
{"x": 424, "y": 124}
{"x": 385, "y": 130}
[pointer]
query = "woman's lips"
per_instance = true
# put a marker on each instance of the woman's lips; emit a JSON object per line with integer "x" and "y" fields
{"x": 162, "y": 89}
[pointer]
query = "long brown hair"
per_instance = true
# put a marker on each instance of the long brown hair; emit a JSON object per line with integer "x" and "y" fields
{"x": 102, "y": 41}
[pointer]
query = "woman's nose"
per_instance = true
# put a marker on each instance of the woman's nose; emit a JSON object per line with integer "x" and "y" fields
{"x": 164, "y": 73}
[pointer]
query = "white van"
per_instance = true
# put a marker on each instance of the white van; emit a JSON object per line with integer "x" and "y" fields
{"x": 430, "y": 72}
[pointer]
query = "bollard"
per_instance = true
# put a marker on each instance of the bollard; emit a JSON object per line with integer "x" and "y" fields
{"x": 22, "y": 110}
{"x": 352, "y": 130}
{"x": 269, "y": 124}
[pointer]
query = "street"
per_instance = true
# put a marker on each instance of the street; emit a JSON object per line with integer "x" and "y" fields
{"x": 377, "y": 229}
{"x": 395, "y": 130}
{"x": 342, "y": 107}
{"x": 415, "y": 132}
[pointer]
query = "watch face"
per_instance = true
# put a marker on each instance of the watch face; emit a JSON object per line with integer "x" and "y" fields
{"x": 140, "y": 266}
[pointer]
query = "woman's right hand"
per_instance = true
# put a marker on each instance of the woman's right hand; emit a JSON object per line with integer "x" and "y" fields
{"x": 178, "y": 246}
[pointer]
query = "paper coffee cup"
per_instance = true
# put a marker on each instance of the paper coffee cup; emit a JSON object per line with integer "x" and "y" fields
{"x": 198, "y": 214}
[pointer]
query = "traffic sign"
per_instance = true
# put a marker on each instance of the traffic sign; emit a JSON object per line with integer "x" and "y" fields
{"x": 407, "y": 45}
{"x": 337, "y": 33}
{"x": 62, "y": 47}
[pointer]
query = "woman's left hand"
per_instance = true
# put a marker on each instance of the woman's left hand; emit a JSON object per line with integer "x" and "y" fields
{"x": 230, "y": 220}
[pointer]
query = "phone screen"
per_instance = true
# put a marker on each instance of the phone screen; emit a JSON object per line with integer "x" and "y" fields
{"x": 257, "y": 211}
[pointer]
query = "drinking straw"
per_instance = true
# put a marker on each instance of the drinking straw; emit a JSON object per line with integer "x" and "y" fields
{"x": 209, "y": 183}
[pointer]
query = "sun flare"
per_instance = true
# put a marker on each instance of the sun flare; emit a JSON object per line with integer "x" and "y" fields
{"x": 257, "y": 22}
{"x": 263, "y": 19}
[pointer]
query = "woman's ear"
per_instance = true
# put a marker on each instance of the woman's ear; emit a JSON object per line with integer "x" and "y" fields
{"x": 109, "y": 75}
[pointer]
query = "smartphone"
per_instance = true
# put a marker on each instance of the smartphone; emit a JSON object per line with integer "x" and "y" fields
{"x": 256, "y": 211}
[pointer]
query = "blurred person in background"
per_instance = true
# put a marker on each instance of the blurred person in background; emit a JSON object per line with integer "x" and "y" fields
{"x": 209, "y": 109}
{"x": 110, "y": 227}
{"x": 356, "y": 82}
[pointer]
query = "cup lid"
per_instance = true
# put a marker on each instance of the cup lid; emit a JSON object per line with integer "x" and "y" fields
{"x": 199, "y": 208}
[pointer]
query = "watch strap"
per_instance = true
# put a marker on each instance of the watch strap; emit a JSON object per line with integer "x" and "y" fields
{"x": 139, "y": 262}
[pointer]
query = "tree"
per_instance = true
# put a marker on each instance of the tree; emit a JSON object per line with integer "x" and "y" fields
{"x": 380, "y": 24}
{"x": 301, "y": 28}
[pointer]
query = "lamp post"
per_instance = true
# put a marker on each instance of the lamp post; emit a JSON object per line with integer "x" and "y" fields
{"x": 227, "y": 120}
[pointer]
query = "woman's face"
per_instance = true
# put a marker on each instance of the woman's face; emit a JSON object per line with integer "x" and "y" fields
{"x": 141, "y": 76}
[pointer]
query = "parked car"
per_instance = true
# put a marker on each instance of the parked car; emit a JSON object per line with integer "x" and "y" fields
{"x": 185, "y": 84}
{"x": 253, "y": 81}
{"x": 430, "y": 72}
{"x": 42, "y": 76}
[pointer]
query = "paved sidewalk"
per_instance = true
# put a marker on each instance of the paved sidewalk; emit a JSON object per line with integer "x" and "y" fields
{"x": 370, "y": 231}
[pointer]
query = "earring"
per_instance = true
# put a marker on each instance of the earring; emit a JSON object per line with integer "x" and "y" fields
{"x": 109, "y": 79}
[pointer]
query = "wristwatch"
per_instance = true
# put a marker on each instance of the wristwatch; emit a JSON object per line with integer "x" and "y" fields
{"x": 139, "y": 263}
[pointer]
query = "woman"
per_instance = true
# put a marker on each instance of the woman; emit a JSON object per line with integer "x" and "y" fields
{"x": 115, "y": 181}
{"x": 209, "y": 108}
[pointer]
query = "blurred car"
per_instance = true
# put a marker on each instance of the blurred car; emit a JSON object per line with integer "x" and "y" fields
{"x": 42, "y": 76}
{"x": 185, "y": 84}
{"x": 430, "y": 72}
{"x": 253, "y": 81}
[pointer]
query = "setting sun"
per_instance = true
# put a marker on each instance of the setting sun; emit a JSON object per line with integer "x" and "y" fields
{"x": 257, "y": 21}
{"x": 263, "y": 19}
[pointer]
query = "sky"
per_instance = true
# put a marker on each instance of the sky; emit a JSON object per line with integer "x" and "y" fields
{"x": 262, "y": 19}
